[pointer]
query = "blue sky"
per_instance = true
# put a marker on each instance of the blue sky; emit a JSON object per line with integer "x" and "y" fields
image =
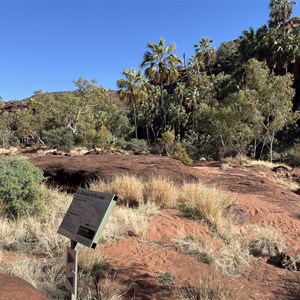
{"x": 46, "y": 44}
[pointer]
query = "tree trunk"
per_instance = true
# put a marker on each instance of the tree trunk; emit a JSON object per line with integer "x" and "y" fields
{"x": 163, "y": 115}
{"x": 134, "y": 115}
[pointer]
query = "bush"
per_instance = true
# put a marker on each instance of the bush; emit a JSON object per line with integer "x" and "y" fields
{"x": 59, "y": 137}
{"x": 292, "y": 156}
{"x": 20, "y": 189}
{"x": 120, "y": 144}
{"x": 181, "y": 154}
{"x": 102, "y": 138}
{"x": 167, "y": 141}
{"x": 137, "y": 146}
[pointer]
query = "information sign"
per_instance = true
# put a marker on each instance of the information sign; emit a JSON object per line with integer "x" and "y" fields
{"x": 87, "y": 216}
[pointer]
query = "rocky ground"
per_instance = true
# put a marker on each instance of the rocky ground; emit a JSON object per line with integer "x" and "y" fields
{"x": 138, "y": 261}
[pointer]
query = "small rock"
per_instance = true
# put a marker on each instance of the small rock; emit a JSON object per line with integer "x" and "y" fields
{"x": 239, "y": 213}
{"x": 284, "y": 261}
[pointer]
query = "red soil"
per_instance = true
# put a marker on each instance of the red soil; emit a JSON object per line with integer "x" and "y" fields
{"x": 137, "y": 261}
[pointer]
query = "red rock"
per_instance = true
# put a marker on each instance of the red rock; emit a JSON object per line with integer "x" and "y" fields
{"x": 15, "y": 288}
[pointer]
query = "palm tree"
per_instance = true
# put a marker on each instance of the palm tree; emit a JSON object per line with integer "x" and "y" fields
{"x": 205, "y": 51}
{"x": 248, "y": 44}
{"x": 161, "y": 68}
{"x": 280, "y": 11}
{"x": 281, "y": 39}
{"x": 129, "y": 90}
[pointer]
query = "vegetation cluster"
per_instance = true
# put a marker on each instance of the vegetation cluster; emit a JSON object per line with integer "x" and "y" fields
{"x": 237, "y": 99}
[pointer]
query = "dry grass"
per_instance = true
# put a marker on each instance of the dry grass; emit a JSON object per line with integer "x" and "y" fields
{"x": 266, "y": 242}
{"x": 9, "y": 151}
{"x": 209, "y": 289}
{"x": 38, "y": 238}
{"x": 232, "y": 259}
{"x": 291, "y": 185}
{"x": 161, "y": 191}
{"x": 132, "y": 191}
{"x": 246, "y": 161}
{"x": 126, "y": 220}
{"x": 41, "y": 258}
{"x": 37, "y": 235}
{"x": 48, "y": 276}
{"x": 93, "y": 267}
{"x": 204, "y": 202}
{"x": 128, "y": 188}
{"x": 91, "y": 259}
{"x": 192, "y": 245}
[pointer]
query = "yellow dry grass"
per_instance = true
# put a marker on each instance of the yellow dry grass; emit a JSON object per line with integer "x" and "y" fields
{"x": 265, "y": 241}
{"x": 246, "y": 161}
{"x": 161, "y": 191}
{"x": 125, "y": 219}
{"x": 128, "y": 188}
{"x": 9, "y": 151}
{"x": 208, "y": 289}
{"x": 204, "y": 202}
{"x": 291, "y": 185}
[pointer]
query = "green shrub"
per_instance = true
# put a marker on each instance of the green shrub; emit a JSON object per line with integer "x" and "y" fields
{"x": 292, "y": 156}
{"x": 181, "y": 154}
{"x": 20, "y": 188}
{"x": 137, "y": 146}
{"x": 167, "y": 141}
{"x": 102, "y": 138}
{"x": 120, "y": 143}
{"x": 59, "y": 137}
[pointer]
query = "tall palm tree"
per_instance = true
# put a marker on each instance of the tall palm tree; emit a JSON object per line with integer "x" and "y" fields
{"x": 205, "y": 51}
{"x": 129, "y": 90}
{"x": 282, "y": 40}
{"x": 280, "y": 11}
{"x": 248, "y": 44}
{"x": 161, "y": 68}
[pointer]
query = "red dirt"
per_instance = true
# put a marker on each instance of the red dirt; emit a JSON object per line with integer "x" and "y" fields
{"x": 137, "y": 261}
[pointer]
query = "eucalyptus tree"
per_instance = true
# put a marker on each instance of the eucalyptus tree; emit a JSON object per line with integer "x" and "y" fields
{"x": 130, "y": 89}
{"x": 5, "y": 128}
{"x": 74, "y": 107}
{"x": 161, "y": 65}
{"x": 274, "y": 96}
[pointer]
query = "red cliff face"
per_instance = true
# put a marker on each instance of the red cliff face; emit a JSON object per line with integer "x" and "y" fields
{"x": 14, "y": 105}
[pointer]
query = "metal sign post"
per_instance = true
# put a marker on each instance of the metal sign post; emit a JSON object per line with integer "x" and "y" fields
{"x": 71, "y": 270}
{"x": 84, "y": 223}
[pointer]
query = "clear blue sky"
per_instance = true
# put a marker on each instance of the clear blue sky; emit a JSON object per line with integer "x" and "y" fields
{"x": 46, "y": 44}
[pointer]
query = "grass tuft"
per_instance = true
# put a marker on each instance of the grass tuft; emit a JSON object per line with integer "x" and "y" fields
{"x": 161, "y": 191}
{"x": 267, "y": 242}
{"x": 232, "y": 259}
{"x": 210, "y": 289}
{"x": 204, "y": 202}
{"x": 128, "y": 188}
